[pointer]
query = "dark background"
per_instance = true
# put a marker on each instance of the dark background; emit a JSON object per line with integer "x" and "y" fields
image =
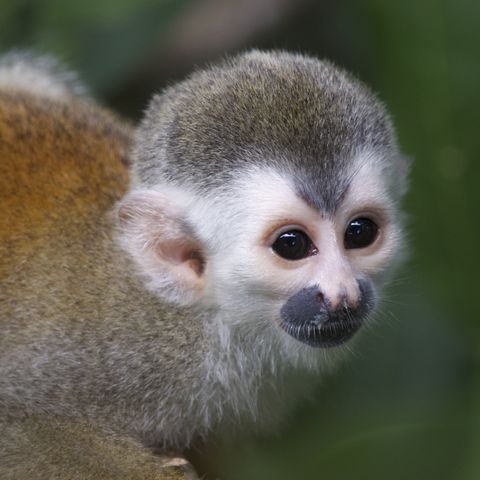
{"x": 406, "y": 404}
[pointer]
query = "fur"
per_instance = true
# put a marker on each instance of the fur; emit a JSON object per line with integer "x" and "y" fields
{"x": 39, "y": 75}
{"x": 142, "y": 297}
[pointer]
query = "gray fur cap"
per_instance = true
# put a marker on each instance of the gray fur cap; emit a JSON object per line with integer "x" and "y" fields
{"x": 292, "y": 112}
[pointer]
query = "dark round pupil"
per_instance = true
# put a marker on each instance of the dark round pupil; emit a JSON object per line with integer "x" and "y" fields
{"x": 360, "y": 233}
{"x": 292, "y": 245}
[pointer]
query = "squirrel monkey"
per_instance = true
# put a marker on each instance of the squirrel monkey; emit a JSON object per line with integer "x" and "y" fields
{"x": 160, "y": 283}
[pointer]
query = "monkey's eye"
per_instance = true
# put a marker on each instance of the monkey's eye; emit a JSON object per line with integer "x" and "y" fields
{"x": 293, "y": 245}
{"x": 360, "y": 233}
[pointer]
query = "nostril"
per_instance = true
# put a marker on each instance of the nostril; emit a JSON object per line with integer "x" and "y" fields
{"x": 321, "y": 298}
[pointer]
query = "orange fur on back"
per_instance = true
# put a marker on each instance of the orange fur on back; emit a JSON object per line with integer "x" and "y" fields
{"x": 60, "y": 162}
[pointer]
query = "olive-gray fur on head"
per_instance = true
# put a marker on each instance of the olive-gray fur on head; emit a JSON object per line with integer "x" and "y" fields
{"x": 274, "y": 109}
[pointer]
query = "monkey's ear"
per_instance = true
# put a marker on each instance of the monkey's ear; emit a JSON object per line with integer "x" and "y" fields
{"x": 155, "y": 231}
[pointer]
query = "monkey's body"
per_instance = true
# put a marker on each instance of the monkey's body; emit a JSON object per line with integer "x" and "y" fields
{"x": 63, "y": 165}
{"x": 130, "y": 315}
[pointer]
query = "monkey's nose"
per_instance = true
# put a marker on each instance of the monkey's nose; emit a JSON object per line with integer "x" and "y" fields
{"x": 321, "y": 298}
{"x": 339, "y": 299}
{"x": 333, "y": 302}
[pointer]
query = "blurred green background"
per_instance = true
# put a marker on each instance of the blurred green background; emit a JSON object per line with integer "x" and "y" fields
{"x": 406, "y": 404}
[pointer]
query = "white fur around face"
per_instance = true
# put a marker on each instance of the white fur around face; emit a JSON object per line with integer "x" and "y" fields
{"x": 263, "y": 205}
{"x": 243, "y": 279}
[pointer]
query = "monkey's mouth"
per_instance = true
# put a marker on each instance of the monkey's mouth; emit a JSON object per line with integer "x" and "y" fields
{"x": 323, "y": 335}
{"x": 314, "y": 323}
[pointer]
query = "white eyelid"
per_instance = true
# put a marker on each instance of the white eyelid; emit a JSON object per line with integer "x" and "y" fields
{"x": 272, "y": 237}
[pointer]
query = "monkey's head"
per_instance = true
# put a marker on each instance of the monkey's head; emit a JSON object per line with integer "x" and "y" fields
{"x": 265, "y": 191}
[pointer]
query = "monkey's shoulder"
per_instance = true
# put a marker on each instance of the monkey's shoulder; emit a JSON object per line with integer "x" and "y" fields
{"x": 58, "y": 159}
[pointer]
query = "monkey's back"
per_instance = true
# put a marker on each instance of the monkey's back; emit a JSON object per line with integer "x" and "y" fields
{"x": 61, "y": 162}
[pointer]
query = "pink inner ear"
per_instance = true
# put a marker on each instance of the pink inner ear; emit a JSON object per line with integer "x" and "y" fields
{"x": 155, "y": 232}
{"x": 182, "y": 251}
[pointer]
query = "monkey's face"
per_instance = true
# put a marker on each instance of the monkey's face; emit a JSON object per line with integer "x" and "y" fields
{"x": 263, "y": 257}
{"x": 279, "y": 262}
{"x": 259, "y": 255}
